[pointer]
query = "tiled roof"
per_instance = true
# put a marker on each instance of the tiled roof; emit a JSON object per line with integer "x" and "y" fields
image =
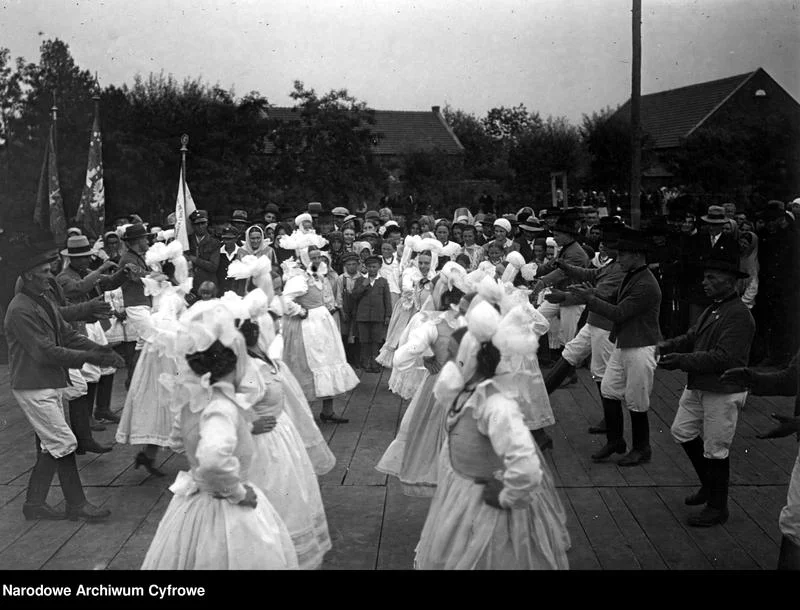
{"x": 671, "y": 115}
{"x": 403, "y": 131}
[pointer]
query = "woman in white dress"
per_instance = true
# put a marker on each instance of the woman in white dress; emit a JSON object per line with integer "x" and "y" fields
{"x": 495, "y": 505}
{"x": 146, "y": 417}
{"x": 217, "y": 519}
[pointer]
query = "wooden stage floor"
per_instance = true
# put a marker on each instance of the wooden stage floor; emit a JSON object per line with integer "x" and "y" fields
{"x": 619, "y": 518}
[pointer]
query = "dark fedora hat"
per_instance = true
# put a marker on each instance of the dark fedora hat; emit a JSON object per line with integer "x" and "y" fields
{"x": 239, "y": 216}
{"x": 532, "y": 225}
{"x": 728, "y": 264}
{"x": 349, "y": 256}
{"x": 198, "y": 216}
{"x": 715, "y": 215}
{"x": 135, "y": 232}
{"x": 632, "y": 240}
{"x": 26, "y": 257}
{"x": 568, "y": 223}
{"x": 374, "y": 258}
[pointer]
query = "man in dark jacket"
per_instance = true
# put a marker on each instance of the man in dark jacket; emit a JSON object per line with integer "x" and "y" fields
{"x": 712, "y": 241}
{"x": 203, "y": 251}
{"x": 785, "y": 382}
{"x": 42, "y": 348}
{"x": 709, "y": 408}
{"x": 635, "y": 334}
{"x": 373, "y": 311}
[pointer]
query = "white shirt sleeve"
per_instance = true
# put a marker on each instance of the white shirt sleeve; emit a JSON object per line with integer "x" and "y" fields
{"x": 217, "y": 465}
{"x": 502, "y": 422}
{"x": 419, "y": 342}
{"x": 750, "y": 292}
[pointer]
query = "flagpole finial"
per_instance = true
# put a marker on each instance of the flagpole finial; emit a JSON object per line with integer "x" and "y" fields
{"x": 184, "y": 142}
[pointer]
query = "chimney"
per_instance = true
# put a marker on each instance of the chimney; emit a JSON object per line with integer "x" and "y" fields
{"x": 436, "y": 109}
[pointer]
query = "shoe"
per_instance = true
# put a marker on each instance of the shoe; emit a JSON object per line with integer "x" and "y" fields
{"x": 599, "y": 428}
{"x": 106, "y": 417}
{"x": 92, "y": 447}
{"x": 636, "y": 457}
{"x": 696, "y": 499}
{"x": 143, "y": 460}
{"x": 42, "y": 512}
{"x": 332, "y": 419}
{"x": 87, "y": 512}
{"x": 708, "y": 517}
{"x": 609, "y": 449}
{"x": 96, "y": 426}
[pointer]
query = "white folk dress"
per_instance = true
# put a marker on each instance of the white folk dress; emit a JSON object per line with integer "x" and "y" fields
{"x": 147, "y": 417}
{"x": 204, "y": 527}
{"x": 282, "y": 469}
{"x": 313, "y": 348}
{"x": 412, "y": 456}
{"x": 486, "y": 438}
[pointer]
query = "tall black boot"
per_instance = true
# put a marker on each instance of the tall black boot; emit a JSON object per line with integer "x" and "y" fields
{"x": 694, "y": 449}
{"x": 102, "y": 410}
{"x": 36, "y": 506}
{"x": 328, "y": 416}
{"x": 600, "y": 428}
{"x": 81, "y": 427}
{"x": 715, "y": 511}
{"x": 789, "y": 558}
{"x": 78, "y": 507}
{"x": 557, "y": 374}
{"x": 615, "y": 428}
{"x": 91, "y": 396}
{"x": 544, "y": 354}
{"x": 640, "y": 431}
{"x": 132, "y": 365}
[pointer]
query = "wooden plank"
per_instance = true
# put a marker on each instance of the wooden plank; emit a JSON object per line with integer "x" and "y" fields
{"x": 132, "y": 552}
{"x": 646, "y": 554}
{"x": 581, "y": 556}
{"x": 566, "y": 466}
{"x": 607, "y": 542}
{"x": 9, "y": 492}
{"x": 355, "y": 516}
{"x": 12, "y": 523}
{"x": 96, "y": 544}
{"x": 669, "y": 538}
{"x": 38, "y": 544}
{"x": 750, "y": 536}
{"x": 719, "y": 547}
{"x": 569, "y": 416}
{"x": 763, "y": 506}
{"x": 403, "y": 520}
{"x": 375, "y": 438}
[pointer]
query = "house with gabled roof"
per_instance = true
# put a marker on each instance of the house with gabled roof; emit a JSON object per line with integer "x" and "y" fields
{"x": 669, "y": 117}
{"x": 399, "y": 132}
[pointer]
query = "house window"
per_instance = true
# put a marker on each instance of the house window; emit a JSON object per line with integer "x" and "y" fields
{"x": 760, "y": 93}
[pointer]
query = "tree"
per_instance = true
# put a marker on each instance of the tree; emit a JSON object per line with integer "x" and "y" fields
{"x": 509, "y": 125}
{"x": 554, "y": 146}
{"x": 483, "y": 155}
{"x": 326, "y": 153}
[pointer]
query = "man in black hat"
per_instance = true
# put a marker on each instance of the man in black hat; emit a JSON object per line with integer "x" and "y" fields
{"x": 549, "y": 275}
{"x": 635, "y": 334}
{"x": 137, "y": 303}
{"x": 203, "y": 251}
{"x": 593, "y": 338}
{"x": 42, "y": 348}
{"x": 709, "y": 407}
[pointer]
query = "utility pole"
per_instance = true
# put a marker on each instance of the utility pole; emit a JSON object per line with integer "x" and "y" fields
{"x": 636, "y": 126}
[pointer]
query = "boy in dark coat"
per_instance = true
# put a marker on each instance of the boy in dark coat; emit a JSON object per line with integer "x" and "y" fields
{"x": 373, "y": 311}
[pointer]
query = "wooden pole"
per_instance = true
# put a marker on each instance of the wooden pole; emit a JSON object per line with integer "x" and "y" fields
{"x": 636, "y": 127}
{"x": 54, "y": 116}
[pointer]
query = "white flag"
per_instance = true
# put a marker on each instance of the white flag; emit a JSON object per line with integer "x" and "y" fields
{"x": 183, "y": 209}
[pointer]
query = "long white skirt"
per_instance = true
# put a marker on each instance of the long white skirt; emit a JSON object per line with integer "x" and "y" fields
{"x": 200, "y": 532}
{"x": 282, "y": 469}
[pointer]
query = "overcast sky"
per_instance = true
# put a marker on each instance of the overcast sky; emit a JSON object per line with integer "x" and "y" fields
{"x": 560, "y": 57}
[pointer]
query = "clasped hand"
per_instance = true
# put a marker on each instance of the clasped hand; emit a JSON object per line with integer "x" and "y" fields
{"x": 582, "y": 292}
{"x": 491, "y": 492}
{"x": 264, "y": 424}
